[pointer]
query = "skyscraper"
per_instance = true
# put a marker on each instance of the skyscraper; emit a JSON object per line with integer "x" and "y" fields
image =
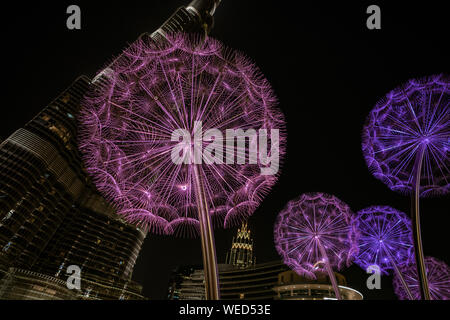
{"x": 241, "y": 252}
{"x": 52, "y": 217}
{"x": 41, "y": 179}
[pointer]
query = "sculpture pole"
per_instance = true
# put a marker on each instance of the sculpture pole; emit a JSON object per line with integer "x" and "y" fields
{"x": 399, "y": 275}
{"x": 438, "y": 275}
{"x": 330, "y": 271}
{"x": 415, "y": 216}
{"x": 207, "y": 238}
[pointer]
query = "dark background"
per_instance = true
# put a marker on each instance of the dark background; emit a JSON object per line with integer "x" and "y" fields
{"x": 326, "y": 67}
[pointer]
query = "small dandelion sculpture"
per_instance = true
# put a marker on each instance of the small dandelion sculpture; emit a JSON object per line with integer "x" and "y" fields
{"x": 316, "y": 230}
{"x": 406, "y": 143}
{"x": 182, "y": 135}
{"x": 438, "y": 279}
{"x": 385, "y": 240}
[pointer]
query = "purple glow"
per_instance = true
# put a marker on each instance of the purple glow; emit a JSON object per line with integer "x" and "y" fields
{"x": 384, "y": 233}
{"x": 311, "y": 220}
{"x": 438, "y": 274}
{"x": 155, "y": 89}
{"x": 414, "y": 115}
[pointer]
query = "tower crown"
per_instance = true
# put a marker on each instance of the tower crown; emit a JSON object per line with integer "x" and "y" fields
{"x": 241, "y": 252}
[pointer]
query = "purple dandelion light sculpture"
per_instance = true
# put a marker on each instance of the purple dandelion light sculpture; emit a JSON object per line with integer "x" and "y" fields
{"x": 406, "y": 143}
{"x": 385, "y": 240}
{"x": 316, "y": 230}
{"x": 438, "y": 279}
{"x": 181, "y": 136}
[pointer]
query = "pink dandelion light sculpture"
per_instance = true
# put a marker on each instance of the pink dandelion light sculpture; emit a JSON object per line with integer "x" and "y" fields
{"x": 316, "y": 230}
{"x": 181, "y": 136}
{"x": 438, "y": 279}
{"x": 406, "y": 144}
{"x": 385, "y": 240}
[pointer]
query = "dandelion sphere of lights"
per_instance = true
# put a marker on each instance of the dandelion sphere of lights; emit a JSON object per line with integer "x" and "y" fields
{"x": 406, "y": 143}
{"x": 129, "y": 127}
{"x": 385, "y": 240}
{"x": 315, "y": 228}
{"x": 411, "y": 122}
{"x": 438, "y": 278}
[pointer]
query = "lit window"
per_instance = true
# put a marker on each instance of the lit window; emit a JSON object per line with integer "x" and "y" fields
{"x": 6, "y": 248}
{"x": 10, "y": 213}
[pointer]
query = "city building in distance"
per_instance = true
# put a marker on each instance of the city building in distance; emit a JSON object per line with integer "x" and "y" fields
{"x": 241, "y": 253}
{"x": 291, "y": 286}
{"x": 242, "y": 279}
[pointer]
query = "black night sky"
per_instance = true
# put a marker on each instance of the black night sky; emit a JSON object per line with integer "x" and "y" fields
{"x": 327, "y": 69}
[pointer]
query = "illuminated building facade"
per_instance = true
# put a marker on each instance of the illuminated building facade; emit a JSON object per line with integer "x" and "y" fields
{"x": 41, "y": 177}
{"x": 291, "y": 286}
{"x": 241, "y": 252}
{"x": 19, "y": 284}
{"x": 51, "y": 215}
{"x": 253, "y": 283}
{"x": 242, "y": 279}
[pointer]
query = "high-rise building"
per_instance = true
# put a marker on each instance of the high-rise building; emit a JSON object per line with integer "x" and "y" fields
{"x": 241, "y": 252}
{"x": 52, "y": 217}
{"x": 41, "y": 177}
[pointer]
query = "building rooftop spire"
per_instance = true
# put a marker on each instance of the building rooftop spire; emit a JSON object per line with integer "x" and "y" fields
{"x": 241, "y": 253}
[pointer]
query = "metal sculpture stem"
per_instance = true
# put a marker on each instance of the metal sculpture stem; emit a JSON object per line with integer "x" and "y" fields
{"x": 421, "y": 271}
{"x": 399, "y": 275}
{"x": 207, "y": 238}
{"x": 330, "y": 271}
